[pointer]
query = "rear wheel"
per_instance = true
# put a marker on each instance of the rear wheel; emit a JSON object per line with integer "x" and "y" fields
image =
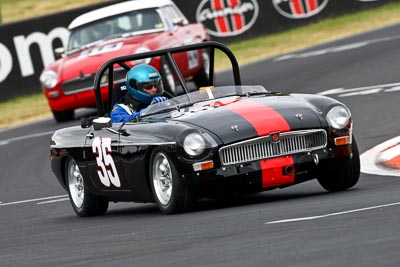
{"x": 341, "y": 174}
{"x": 170, "y": 193}
{"x": 83, "y": 202}
{"x": 61, "y": 116}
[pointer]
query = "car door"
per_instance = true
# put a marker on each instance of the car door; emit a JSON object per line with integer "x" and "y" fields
{"x": 103, "y": 156}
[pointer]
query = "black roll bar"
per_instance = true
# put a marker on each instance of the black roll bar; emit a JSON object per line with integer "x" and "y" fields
{"x": 167, "y": 53}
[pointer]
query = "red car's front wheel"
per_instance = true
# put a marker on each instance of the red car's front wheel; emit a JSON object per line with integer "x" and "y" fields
{"x": 61, "y": 116}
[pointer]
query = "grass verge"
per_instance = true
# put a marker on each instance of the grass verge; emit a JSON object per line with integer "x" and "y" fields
{"x": 14, "y": 10}
{"x": 22, "y": 109}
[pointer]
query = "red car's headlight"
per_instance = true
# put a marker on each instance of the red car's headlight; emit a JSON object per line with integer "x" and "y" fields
{"x": 49, "y": 79}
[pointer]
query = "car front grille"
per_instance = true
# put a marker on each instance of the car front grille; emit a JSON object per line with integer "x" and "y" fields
{"x": 86, "y": 82}
{"x": 263, "y": 147}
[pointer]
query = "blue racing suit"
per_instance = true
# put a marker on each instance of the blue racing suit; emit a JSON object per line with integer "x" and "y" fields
{"x": 122, "y": 112}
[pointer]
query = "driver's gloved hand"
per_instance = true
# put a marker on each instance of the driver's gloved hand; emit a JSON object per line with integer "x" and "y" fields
{"x": 158, "y": 99}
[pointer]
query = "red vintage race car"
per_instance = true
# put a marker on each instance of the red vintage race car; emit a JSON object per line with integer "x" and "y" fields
{"x": 126, "y": 28}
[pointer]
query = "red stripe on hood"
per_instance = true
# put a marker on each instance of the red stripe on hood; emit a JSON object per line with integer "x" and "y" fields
{"x": 266, "y": 120}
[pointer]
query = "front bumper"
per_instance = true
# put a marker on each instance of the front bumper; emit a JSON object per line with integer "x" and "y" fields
{"x": 73, "y": 101}
{"x": 269, "y": 173}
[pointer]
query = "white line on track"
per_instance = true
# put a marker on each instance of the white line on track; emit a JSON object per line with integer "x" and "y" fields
{"x": 367, "y": 90}
{"x": 7, "y": 141}
{"x": 52, "y": 201}
{"x": 31, "y": 200}
{"x": 335, "y": 49}
{"x": 332, "y": 214}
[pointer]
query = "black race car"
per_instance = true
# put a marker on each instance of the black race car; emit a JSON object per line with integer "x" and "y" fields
{"x": 207, "y": 142}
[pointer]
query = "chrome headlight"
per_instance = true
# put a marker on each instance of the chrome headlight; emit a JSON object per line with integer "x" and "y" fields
{"x": 194, "y": 144}
{"x": 49, "y": 79}
{"x": 338, "y": 117}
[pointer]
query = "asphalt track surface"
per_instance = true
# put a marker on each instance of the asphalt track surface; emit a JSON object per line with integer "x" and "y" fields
{"x": 301, "y": 225}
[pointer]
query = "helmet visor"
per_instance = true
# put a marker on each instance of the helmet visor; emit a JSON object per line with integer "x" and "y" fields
{"x": 151, "y": 87}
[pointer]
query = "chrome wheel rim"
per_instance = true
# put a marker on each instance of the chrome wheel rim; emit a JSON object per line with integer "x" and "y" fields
{"x": 162, "y": 178}
{"x": 75, "y": 184}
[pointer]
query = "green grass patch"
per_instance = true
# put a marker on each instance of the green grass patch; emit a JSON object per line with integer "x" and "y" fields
{"x": 23, "y": 109}
{"x": 14, "y": 10}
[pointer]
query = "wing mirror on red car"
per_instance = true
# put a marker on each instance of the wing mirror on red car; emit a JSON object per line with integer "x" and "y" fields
{"x": 59, "y": 52}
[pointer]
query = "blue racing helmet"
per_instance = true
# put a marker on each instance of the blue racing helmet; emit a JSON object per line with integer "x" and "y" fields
{"x": 143, "y": 82}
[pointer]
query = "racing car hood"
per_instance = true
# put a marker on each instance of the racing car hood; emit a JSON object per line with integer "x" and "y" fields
{"x": 244, "y": 118}
{"x": 89, "y": 60}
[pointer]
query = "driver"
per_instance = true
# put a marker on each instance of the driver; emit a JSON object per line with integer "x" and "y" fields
{"x": 144, "y": 86}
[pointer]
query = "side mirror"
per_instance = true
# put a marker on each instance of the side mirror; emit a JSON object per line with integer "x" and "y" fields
{"x": 59, "y": 52}
{"x": 101, "y": 123}
{"x": 178, "y": 22}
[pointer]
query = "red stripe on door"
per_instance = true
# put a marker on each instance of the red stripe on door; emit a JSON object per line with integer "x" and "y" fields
{"x": 266, "y": 120}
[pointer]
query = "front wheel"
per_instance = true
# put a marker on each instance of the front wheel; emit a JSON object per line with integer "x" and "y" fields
{"x": 83, "y": 202}
{"x": 342, "y": 173}
{"x": 61, "y": 116}
{"x": 170, "y": 193}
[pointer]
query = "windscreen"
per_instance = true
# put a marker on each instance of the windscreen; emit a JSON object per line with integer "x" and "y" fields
{"x": 127, "y": 23}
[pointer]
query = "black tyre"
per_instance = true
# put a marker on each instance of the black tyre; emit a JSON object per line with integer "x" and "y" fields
{"x": 202, "y": 77}
{"x": 61, "y": 116}
{"x": 341, "y": 174}
{"x": 167, "y": 77}
{"x": 83, "y": 202}
{"x": 170, "y": 193}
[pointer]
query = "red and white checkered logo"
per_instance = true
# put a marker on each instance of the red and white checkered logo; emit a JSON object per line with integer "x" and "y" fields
{"x": 224, "y": 18}
{"x": 298, "y": 9}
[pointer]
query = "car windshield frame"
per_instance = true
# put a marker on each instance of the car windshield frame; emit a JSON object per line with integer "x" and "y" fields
{"x": 206, "y": 97}
{"x": 136, "y": 22}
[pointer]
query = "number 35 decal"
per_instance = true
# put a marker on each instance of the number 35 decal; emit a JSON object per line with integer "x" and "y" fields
{"x": 106, "y": 170}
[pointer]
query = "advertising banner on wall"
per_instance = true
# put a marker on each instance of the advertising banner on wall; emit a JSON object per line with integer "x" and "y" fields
{"x": 27, "y": 46}
{"x": 235, "y": 20}
{"x": 227, "y": 18}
